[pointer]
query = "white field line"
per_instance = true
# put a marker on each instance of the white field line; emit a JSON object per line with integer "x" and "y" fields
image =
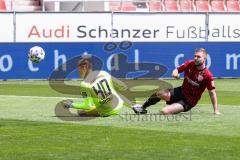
{"x": 46, "y": 97}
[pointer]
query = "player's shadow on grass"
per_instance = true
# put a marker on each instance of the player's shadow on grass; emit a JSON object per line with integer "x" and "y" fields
{"x": 66, "y": 115}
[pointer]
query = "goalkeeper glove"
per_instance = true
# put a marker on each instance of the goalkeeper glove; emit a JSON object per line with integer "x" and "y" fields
{"x": 67, "y": 103}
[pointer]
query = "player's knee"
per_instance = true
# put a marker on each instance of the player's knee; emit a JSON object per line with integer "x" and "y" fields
{"x": 163, "y": 94}
{"x": 165, "y": 111}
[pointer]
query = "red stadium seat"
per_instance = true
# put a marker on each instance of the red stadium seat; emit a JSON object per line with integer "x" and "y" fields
{"x": 121, "y": 6}
{"x": 202, "y": 5}
{"x": 155, "y": 5}
{"x": 185, "y": 5}
{"x": 170, "y": 5}
{"x": 217, "y": 5}
{"x": 128, "y": 6}
{"x": 232, "y": 6}
{"x": 2, "y": 5}
{"x": 114, "y": 3}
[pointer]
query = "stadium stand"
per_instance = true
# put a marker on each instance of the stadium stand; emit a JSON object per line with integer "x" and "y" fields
{"x": 170, "y": 5}
{"x": 2, "y": 5}
{"x": 122, "y": 5}
{"x": 76, "y": 5}
{"x": 23, "y": 5}
{"x": 125, "y": 5}
{"x": 155, "y": 5}
{"x": 217, "y": 6}
{"x": 114, "y": 6}
{"x": 232, "y": 5}
{"x": 141, "y": 6}
{"x": 185, "y": 5}
{"x": 201, "y": 6}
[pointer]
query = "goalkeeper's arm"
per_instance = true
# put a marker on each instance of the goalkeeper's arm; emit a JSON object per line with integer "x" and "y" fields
{"x": 87, "y": 104}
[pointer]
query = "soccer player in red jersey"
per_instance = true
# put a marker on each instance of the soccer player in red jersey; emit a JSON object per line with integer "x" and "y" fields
{"x": 197, "y": 78}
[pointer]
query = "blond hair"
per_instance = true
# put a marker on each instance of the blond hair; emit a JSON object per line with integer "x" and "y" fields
{"x": 201, "y": 50}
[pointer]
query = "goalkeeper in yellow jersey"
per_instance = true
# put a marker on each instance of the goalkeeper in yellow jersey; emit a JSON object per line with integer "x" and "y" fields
{"x": 99, "y": 90}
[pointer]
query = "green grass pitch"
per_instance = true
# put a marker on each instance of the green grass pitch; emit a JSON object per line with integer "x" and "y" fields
{"x": 30, "y": 129}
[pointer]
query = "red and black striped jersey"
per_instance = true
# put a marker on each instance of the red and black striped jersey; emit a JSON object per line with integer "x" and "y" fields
{"x": 195, "y": 81}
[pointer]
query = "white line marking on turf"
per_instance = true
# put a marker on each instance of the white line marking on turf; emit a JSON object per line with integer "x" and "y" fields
{"x": 45, "y": 97}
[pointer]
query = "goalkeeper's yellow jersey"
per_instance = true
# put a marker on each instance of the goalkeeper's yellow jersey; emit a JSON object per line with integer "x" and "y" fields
{"x": 102, "y": 88}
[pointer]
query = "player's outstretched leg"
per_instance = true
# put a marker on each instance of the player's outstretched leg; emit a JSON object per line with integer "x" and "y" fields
{"x": 153, "y": 99}
{"x": 172, "y": 109}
